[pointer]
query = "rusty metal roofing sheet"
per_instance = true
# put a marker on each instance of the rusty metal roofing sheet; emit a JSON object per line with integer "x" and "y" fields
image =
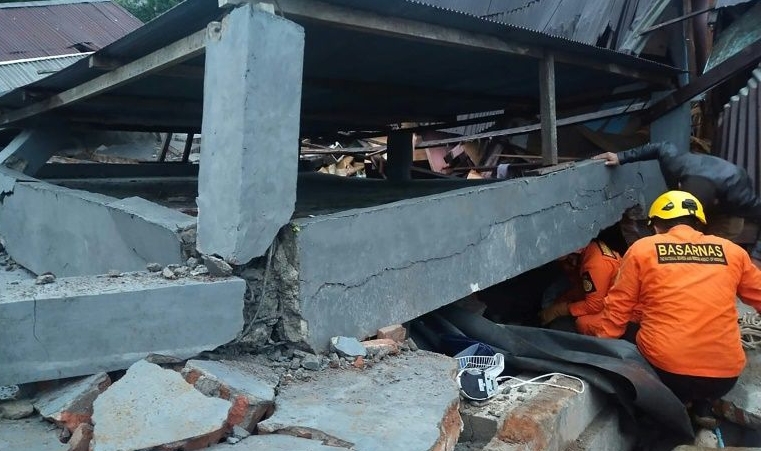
{"x": 38, "y": 29}
{"x": 14, "y": 74}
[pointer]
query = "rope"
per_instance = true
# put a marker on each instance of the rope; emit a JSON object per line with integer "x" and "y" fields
{"x": 750, "y": 330}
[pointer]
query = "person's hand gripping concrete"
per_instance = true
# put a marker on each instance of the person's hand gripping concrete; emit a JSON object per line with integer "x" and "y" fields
{"x": 611, "y": 159}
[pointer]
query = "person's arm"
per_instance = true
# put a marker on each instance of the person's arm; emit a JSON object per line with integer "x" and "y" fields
{"x": 597, "y": 277}
{"x": 749, "y": 288}
{"x": 653, "y": 151}
{"x": 622, "y": 297}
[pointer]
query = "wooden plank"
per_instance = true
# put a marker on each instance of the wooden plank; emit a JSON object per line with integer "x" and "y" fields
{"x": 547, "y": 110}
{"x": 581, "y": 118}
{"x": 168, "y": 56}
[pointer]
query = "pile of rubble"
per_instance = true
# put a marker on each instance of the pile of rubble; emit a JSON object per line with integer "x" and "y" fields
{"x": 364, "y": 395}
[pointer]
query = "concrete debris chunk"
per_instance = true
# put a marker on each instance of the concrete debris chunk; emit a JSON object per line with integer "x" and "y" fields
{"x": 29, "y": 434}
{"x": 16, "y": 410}
{"x": 191, "y": 262}
{"x": 160, "y": 359}
{"x": 396, "y": 332}
{"x": 71, "y": 404}
{"x": 351, "y": 409}
{"x": 8, "y": 392}
{"x": 381, "y": 347}
{"x": 199, "y": 271}
{"x": 276, "y": 442}
{"x": 216, "y": 266}
{"x": 114, "y": 273}
{"x": 311, "y": 362}
{"x": 251, "y": 389}
{"x": 44, "y": 279}
{"x": 168, "y": 274}
{"x": 347, "y": 347}
{"x": 742, "y": 405}
{"x": 154, "y": 267}
{"x": 151, "y": 407}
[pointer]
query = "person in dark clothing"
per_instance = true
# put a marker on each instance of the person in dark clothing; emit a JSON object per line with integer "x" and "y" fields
{"x": 723, "y": 188}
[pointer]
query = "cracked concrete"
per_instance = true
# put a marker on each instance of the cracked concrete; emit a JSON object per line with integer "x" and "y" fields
{"x": 83, "y": 325}
{"x": 365, "y": 268}
{"x": 67, "y": 232}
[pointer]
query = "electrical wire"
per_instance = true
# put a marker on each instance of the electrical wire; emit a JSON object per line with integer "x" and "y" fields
{"x": 536, "y": 381}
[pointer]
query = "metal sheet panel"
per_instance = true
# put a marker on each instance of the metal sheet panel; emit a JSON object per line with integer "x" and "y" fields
{"x": 14, "y": 74}
{"x": 54, "y": 28}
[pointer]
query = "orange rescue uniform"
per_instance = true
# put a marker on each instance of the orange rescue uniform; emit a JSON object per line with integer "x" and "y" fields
{"x": 597, "y": 271}
{"x": 684, "y": 283}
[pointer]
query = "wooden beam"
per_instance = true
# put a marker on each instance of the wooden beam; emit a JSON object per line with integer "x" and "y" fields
{"x": 578, "y": 119}
{"x": 168, "y": 56}
{"x": 716, "y": 76}
{"x": 547, "y": 110}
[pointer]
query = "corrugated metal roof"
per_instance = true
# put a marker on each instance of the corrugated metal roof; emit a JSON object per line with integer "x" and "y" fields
{"x": 604, "y": 23}
{"x": 37, "y": 29}
{"x": 14, "y": 74}
{"x": 352, "y": 76}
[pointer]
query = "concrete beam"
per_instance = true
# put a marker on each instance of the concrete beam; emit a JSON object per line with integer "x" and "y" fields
{"x": 48, "y": 228}
{"x": 32, "y": 148}
{"x": 84, "y": 325}
{"x": 252, "y": 102}
{"x": 430, "y": 251}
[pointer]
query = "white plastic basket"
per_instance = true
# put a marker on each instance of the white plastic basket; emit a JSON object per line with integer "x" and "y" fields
{"x": 481, "y": 362}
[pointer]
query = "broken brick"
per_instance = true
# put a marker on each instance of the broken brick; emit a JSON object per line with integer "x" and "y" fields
{"x": 71, "y": 404}
{"x": 381, "y": 347}
{"x": 396, "y": 332}
{"x": 251, "y": 394}
{"x": 81, "y": 437}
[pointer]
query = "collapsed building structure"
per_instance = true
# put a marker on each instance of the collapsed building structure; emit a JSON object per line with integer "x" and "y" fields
{"x": 289, "y": 263}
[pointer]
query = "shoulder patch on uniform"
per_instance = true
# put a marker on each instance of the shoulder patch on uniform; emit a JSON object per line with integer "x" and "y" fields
{"x": 606, "y": 251}
{"x": 587, "y": 284}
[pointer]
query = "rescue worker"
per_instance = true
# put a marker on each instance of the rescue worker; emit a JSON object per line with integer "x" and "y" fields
{"x": 724, "y": 189}
{"x": 594, "y": 269}
{"x": 684, "y": 284}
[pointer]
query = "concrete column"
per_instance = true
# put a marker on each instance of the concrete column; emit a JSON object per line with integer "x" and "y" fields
{"x": 32, "y": 148}
{"x": 399, "y": 155}
{"x": 251, "y": 110}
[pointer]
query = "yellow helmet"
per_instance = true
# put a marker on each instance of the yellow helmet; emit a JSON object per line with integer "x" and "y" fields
{"x": 675, "y": 204}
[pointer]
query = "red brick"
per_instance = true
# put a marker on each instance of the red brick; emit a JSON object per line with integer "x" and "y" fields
{"x": 359, "y": 362}
{"x": 397, "y": 332}
{"x": 381, "y": 347}
{"x": 449, "y": 429}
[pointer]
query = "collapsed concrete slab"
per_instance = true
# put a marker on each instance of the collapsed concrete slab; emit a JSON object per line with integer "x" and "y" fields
{"x": 71, "y": 404}
{"x": 275, "y": 442}
{"x": 405, "y": 403}
{"x": 29, "y": 434}
{"x": 415, "y": 255}
{"x": 83, "y": 325}
{"x": 150, "y": 407}
{"x": 251, "y": 390}
{"x": 48, "y": 228}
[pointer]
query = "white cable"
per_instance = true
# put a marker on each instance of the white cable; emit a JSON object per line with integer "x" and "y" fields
{"x": 534, "y": 381}
{"x": 750, "y": 330}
